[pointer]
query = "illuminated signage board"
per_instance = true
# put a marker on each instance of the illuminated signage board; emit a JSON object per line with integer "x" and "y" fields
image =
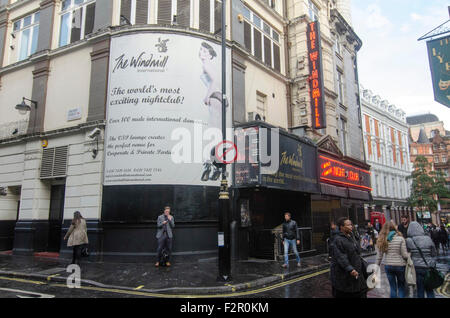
{"x": 340, "y": 173}
{"x": 316, "y": 76}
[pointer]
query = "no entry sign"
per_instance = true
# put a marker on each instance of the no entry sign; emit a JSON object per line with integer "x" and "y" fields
{"x": 230, "y": 154}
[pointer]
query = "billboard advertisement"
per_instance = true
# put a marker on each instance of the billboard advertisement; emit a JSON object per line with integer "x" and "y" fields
{"x": 164, "y": 110}
{"x": 438, "y": 54}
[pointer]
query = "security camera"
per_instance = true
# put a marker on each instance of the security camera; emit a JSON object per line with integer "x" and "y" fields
{"x": 3, "y": 191}
{"x": 94, "y": 133}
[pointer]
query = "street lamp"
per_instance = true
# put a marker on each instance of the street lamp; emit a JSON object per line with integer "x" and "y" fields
{"x": 24, "y": 107}
{"x": 224, "y": 196}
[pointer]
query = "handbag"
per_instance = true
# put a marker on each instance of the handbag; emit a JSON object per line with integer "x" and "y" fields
{"x": 410, "y": 272}
{"x": 433, "y": 278}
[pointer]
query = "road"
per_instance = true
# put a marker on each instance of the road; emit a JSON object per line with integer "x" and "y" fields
{"x": 311, "y": 286}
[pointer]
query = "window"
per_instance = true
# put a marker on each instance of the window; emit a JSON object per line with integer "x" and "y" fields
{"x": 261, "y": 40}
{"x": 436, "y": 159}
{"x": 337, "y": 46}
{"x": 26, "y": 33}
{"x": 313, "y": 11}
{"x": 340, "y": 87}
{"x": 343, "y": 134}
{"x": 134, "y": 11}
{"x": 77, "y": 20}
{"x": 261, "y": 104}
{"x": 210, "y": 15}
{"x": 444, "y": 158}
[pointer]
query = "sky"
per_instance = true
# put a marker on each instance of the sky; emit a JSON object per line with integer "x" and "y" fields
{"x": 391, "y": 62}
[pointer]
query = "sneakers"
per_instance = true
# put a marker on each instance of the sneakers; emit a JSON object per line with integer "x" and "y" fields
{"x": 157, "y": 264}
{"x": 284, "y": 266}
{"x": 168, "y": 264}
{"x": 299, "y": 264}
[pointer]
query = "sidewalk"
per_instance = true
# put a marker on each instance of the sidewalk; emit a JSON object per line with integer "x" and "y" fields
{"x": 191, "y": 276}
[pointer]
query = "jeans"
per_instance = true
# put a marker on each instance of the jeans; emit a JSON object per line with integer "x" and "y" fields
{"x": 164, "y": 242}
{"x": 397, "y": 281}
{"x": 287, "y": 244}
{"x": 420, "y": 281}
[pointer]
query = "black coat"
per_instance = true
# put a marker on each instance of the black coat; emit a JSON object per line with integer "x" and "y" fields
{"x": 403, "y": 230}
{"x": 290, "y": 230}
{"x": 346, "y": 257}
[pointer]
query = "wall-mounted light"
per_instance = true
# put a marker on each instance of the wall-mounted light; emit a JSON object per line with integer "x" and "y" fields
{"x": 240, "y": 18}
{"x": 24, "y": 107}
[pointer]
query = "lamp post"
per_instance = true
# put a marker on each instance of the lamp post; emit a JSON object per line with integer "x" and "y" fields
{"x": 224, "y": 197}
{"x": 24, "y": 107}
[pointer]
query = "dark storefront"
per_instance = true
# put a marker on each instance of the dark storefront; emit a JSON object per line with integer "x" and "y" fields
{"x": 345, "y": 188}
{"x": 261, "y": 197}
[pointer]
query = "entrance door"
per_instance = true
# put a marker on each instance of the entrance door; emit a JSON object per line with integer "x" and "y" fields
{"x": 56, "y": 217}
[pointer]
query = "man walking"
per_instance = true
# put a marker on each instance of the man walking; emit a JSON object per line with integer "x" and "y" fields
{"x": 291, "y": 238}
{"x": 403, "y": 227}
{"x": 346, "y": 265}
{"x": 164, "y": 235}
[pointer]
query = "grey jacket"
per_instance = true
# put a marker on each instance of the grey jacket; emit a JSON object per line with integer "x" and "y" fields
{"x": 170, "y": 225}
{"x": 416, "y": 234}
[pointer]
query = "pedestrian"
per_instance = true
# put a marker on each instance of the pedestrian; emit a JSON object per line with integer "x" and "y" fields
{"x": 291, "y": 238}
{"x": 435, "y": 237}
{"x": 392, "y": 245}
{"x": 443, "y": 238}
{"x": 77, "y": 235}
{"x": 371, "y": 233}
{"x": 346, "y": 270}
{"x": 418, "y": 240}
{"x": 403, "y": 227}
{"x": 164, "y": 235}
{"x": 378, "y": 225}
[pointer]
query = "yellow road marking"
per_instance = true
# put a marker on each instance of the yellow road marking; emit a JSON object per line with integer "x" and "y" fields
{"x": 49, "y": 278}
{"x": 23, "y": 280}
{"x": 139, "y": 287}
{"x": 156, "y": 295}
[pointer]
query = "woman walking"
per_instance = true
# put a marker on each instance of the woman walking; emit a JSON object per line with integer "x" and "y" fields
{"x": 77, "y": 235}
{"x": 392, "y": 245}
{"x": 418, "y": 243}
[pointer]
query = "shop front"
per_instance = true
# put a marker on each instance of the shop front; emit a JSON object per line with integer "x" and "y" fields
{"x": 345, "y": 190}
{"x": 263, "y": 191}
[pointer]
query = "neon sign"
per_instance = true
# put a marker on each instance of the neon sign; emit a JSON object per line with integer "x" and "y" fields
{"x": 340, "y": 173}
{"x": 316, "y": 75}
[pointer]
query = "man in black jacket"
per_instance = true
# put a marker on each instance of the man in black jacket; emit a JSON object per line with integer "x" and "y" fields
{"x": 346, "y": 265}
{"x": 291, "y": 237}
{"x": 403, "y": 227}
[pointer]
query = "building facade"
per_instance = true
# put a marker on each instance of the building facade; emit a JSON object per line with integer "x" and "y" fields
{"x": 386, "y": 144}
{"x": 98, "y": 77}
{"x": 432, "y": 143}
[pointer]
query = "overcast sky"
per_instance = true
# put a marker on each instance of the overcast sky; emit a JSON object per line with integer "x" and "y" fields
{"x": 392, "y": 63}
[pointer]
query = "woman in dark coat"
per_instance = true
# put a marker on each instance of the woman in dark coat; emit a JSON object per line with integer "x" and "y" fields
{"x": 346, "y": 274}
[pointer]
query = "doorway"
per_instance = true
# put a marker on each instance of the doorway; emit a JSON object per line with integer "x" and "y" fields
{"x": 56, "y": 217}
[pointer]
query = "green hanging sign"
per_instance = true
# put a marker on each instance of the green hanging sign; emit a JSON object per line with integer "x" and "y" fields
{"x": 439, "y": 54}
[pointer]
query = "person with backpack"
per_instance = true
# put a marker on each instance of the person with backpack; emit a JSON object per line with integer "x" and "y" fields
{"x": 392, "y": 245}
{"x": 78, "y": 238}
{"x": 423, "y": 253}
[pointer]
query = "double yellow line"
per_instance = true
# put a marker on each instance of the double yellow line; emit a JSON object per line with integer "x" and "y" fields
{"x": 158, "y": 295}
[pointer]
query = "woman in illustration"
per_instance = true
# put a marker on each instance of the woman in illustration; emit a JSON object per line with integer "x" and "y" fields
{"x": 211, "y": 77}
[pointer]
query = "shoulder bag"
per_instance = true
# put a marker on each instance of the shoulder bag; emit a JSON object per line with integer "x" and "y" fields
{"x": 433, "y": 278}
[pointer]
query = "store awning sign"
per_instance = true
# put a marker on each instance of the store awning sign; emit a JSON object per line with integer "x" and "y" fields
{"x": 339, "y": 173}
